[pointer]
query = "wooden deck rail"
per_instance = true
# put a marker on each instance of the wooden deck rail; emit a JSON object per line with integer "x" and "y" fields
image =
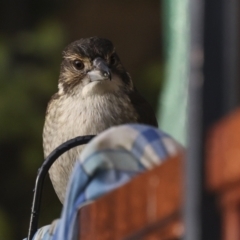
{"x": 223, "y": 165}
{"x": 148, "y": 208}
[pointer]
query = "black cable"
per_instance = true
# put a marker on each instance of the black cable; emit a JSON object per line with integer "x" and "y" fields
{"x": 53, "y": 156}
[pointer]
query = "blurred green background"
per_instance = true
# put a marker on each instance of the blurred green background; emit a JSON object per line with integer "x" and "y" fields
{"x": 32, "y": 36}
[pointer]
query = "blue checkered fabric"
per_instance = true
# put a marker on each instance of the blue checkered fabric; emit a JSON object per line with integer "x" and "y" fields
{"x": 110, "y": 160}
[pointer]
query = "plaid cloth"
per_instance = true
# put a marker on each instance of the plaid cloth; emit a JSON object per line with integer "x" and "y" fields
{"x": 110, "y": 160}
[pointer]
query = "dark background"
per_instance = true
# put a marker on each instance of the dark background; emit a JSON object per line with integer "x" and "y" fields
{"x": 32, "y": 36}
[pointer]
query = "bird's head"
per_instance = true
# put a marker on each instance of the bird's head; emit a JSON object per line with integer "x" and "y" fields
{"x": 91, "y": 66}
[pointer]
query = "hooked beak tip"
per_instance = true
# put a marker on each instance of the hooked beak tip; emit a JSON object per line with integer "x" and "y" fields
{"x": 101, "y": 65}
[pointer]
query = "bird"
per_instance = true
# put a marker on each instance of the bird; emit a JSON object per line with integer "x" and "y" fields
{"x": 94, "y": 93}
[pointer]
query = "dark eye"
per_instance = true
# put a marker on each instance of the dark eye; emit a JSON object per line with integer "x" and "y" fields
{"x": 78, "y": 64}
{"x": 113, "y": 60}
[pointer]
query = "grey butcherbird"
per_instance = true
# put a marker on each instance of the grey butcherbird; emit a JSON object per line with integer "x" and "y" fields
{"x": 94, "y": 93}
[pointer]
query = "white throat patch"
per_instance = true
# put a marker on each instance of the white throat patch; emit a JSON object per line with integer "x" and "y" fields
{"x": 101, "y": 87}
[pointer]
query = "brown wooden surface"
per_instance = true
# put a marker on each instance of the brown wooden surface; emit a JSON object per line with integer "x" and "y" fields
{"x": 231, "y": 221}
{"x": 223, "y": 153}
{"x": 223, "y": 166}
{"x": 145, "y": 208}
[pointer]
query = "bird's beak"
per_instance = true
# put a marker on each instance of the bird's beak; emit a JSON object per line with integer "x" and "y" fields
{"x": 100, "y": 70}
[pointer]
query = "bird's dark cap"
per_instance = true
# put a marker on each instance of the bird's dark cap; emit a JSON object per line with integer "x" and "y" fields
{"x": 90, "y": 47}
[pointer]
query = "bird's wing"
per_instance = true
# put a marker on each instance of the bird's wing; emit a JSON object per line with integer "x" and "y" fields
{"x": 143, "y": 108}
{"x": 50, "y": 124}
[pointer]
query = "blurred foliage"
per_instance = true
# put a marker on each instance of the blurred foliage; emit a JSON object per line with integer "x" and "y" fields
{"x": 5, "y": 227}
{"x": 149, "y": 83}
{"x": 29, "y": 68}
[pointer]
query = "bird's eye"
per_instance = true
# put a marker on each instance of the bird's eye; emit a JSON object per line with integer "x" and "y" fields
{"x": 78, "y": 64}
{"x": 113, "y": 60}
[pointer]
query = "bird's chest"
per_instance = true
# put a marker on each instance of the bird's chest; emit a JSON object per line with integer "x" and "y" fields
{"x": 92, "y": 115}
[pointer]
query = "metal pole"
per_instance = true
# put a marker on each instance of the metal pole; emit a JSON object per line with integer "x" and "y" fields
{"x": 213, "y": 91}
{"x": 191, "y": 214}
{"x": 231, "y": 42}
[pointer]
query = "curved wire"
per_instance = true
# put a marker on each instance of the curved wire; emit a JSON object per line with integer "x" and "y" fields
{"x": 33, "y": 225}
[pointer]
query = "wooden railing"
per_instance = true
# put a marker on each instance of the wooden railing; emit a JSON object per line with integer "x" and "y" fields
{"x": 148, "y": 207}
{"x": 223, "y": 165}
